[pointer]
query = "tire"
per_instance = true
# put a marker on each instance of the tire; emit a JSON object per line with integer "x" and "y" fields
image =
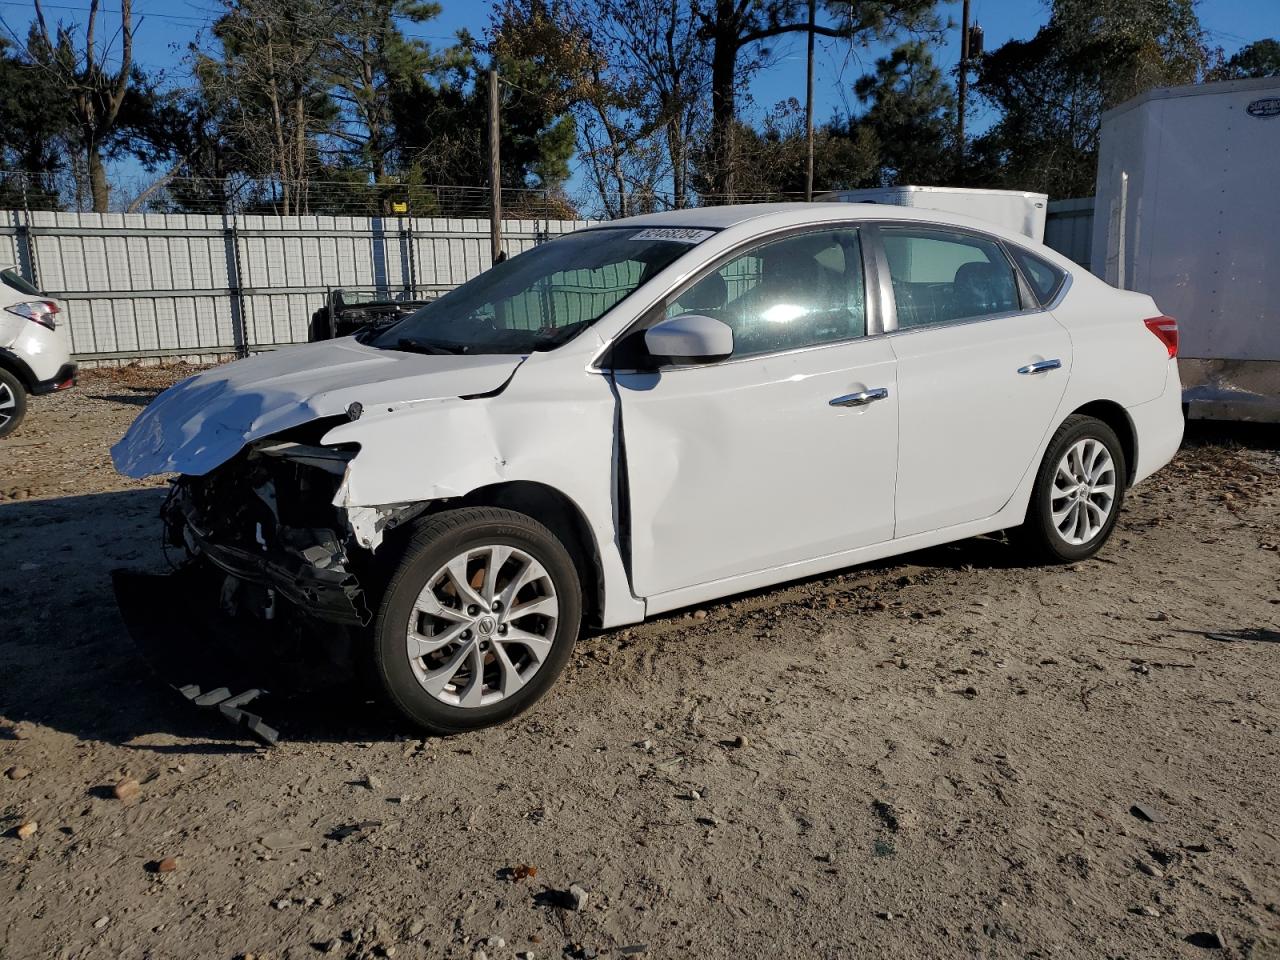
{"x": 1051, "y": 537}
{"x": 13, "y": 402}
{"x": 504, "y": 644}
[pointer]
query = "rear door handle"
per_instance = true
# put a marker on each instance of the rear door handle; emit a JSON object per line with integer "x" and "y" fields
{"x": 861, "y": 398}
{"x": 1040, "y": 366}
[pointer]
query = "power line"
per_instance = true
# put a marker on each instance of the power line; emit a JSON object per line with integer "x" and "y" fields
{"x": 179, "y": 18}
{"x": 139, "y": 14}
{"x": 1229, "y": 36}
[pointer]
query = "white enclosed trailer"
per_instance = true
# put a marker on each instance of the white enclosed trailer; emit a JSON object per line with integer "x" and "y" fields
{"x": 1188, "y": 211}
{"x": 1011, "y": 209}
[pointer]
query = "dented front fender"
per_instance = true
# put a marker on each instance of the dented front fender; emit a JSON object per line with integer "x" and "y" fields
{"x": 556, "y": 430}
{"x": 421, "y": 452}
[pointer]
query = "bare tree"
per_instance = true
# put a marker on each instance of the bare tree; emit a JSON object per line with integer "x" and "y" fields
{"x": 615, "y": 137}
{"x": 608, "y": 136}
{"x": 655, "y": 46}
{"x": 93, "y": 93}
{"x": 618, "y": 149}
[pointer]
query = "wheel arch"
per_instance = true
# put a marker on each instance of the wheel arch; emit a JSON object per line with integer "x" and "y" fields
{"x": 13, "y": 363}
{"x": 1117, "y": 418}
{"x": 556, "y": 511}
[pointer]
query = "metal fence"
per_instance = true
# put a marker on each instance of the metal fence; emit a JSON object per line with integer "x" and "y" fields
{"x": 1068, "y": 228}
{"x": 186, "y": 285}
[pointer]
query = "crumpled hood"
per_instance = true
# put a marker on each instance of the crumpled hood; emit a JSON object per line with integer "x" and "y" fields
{"x": 205, "y": 420}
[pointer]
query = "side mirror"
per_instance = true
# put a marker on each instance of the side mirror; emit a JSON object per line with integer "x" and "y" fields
{"x": 691, "y": 337}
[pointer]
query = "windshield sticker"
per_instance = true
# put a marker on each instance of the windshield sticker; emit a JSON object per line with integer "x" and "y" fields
{"x": 677, "y": 234}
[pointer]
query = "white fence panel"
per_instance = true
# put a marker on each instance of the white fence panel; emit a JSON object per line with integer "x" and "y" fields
{"x": 9, "y": 239}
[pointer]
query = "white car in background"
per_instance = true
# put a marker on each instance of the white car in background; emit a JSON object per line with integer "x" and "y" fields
{"x": 35, "y": 353}
{"x": 653, "y": 413}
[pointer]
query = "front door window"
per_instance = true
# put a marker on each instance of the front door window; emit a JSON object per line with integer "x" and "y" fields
{"x": 795, "y": 292}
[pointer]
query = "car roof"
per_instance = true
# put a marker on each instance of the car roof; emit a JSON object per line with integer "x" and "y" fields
{"x": 771, "y": 215}
{"x": 718, "y": 217}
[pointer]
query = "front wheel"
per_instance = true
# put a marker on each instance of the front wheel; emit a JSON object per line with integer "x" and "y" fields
{"x": 478, "y": 620}
{"x": 1078, "y": 492}
{"x": 13, "y": 402}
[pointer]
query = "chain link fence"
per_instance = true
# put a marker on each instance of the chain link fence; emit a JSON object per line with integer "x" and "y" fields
{"x": 352, "y": 197}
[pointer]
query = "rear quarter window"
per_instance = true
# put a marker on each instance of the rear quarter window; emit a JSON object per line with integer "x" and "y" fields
{"x": 1045, "y": 279}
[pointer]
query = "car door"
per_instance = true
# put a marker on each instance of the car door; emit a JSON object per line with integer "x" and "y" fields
{"x": 981, "y": 371}
{"x": 783, "y": 452}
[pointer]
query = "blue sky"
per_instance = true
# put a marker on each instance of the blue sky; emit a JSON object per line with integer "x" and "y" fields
{"x": 167, "y": 28}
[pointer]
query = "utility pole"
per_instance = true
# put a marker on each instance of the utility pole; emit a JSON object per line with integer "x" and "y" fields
{"x": 495, "y": 172}
{"x": 964, "y": 81}
{"x": 808, "y": 104}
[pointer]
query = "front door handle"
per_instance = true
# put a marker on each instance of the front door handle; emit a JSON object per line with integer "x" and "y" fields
{"x": 1040, "y": 366}
{"x": 861, "y": 398}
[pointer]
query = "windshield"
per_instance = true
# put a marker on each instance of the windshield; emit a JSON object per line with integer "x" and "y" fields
{"x": 543, "y": 297}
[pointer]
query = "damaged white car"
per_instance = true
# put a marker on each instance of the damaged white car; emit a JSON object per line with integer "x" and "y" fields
{"x": 652, "y": 413}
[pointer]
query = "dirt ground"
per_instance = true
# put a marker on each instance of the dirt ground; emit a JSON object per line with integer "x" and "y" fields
{"x": 951, "y": 755}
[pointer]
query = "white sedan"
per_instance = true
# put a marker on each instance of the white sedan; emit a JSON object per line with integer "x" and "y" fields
{"x": 653, "y": 413}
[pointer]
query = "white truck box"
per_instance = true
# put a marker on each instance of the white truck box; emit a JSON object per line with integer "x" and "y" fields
{"x": 1187, "y": 210}
{"x": 1011, "y": 209}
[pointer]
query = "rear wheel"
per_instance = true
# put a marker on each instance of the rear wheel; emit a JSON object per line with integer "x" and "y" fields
{"x": 478, "y": 620}
{"x": 1078, "y": 492}
{"x": 13, "y": 402}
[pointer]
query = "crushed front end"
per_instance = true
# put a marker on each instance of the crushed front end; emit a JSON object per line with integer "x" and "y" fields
{"x": 273, "y": 585}
{"x": 266, "y": 519}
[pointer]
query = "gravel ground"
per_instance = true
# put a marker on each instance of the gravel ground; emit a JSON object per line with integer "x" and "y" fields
{"x": 951, "y": 755}
{"x": 63, "y": 447}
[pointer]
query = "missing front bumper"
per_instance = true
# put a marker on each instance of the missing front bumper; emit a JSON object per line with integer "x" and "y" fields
{"x": 331, "y": 594}
{"x": 306, "y": 566}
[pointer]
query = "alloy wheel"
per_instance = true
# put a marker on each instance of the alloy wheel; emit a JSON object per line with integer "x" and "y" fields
{"x": 1084, "y": 491}
{"x": 482, "y": 626}
{"x": 8, "y": 404}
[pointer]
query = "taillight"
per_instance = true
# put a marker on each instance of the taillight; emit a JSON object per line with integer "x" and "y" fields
{"x": 1166, "y": 329}
{"x": 40, "y": 311}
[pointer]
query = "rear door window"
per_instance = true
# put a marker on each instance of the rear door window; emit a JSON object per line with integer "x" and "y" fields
{"x": 942, "y": 276}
